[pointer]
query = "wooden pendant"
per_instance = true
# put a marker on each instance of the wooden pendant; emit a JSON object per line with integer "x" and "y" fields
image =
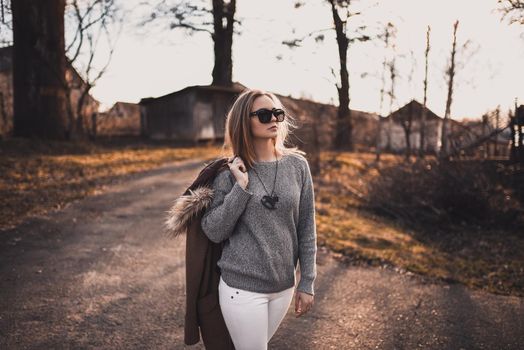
{"x": 269, "y": 202}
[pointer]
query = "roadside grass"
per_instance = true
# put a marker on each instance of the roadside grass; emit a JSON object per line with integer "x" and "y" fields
{"x": 37, "y": 176}
{"x": 476, "y": 257}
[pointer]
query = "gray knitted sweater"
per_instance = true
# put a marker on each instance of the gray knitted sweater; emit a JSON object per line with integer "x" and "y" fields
{"x": 263, "y": 245}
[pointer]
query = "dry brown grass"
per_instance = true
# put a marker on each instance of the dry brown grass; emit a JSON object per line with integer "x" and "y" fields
{"x": 477, "y": 257}
{"x": 42, "y": 175}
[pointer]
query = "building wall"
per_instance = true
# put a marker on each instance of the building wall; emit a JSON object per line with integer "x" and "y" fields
{"x": 210, "y": 113}
{"x": 203, "y": 124}
{"x": 89, "y": 108}
{"x": 397, "y": 143}
{"x": 121, "y": 119}
{"x": 192, "y": 115}
{"x": 6, "y": 104}
{"x": 170, "y": 117}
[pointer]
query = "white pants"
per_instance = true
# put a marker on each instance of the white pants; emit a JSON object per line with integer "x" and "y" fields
{"x": 252, "y": 318}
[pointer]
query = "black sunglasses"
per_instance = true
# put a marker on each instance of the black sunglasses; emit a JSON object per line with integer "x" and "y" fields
{"x": 265, "y": 115}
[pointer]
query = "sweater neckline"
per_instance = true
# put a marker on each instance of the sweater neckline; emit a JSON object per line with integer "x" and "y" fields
{"x": 270, "y": 162}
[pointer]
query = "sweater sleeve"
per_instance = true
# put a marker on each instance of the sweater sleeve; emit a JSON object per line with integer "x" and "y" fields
{"x": 228, "y": 204}
{"x": 307, "y": 235}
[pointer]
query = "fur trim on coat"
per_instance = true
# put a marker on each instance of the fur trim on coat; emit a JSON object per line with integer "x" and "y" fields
{"x": 185, "y": 208}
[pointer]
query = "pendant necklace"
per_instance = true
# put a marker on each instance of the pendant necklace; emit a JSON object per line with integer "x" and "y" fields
{"x": 269, "y": 200}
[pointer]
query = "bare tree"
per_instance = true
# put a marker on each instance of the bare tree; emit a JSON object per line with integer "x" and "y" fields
{"x": 497, "y": 125}
{"x": 512, "y": 10}
{"x": 223, "y": 21}
{"x": 6, "y": 23}
{"x": 392, "y": 97}
{"x": 422, "y": 150}
{"x": 344, "y": 130}
{"x": 386, "y": 37}
{"x": 407, "y": 121}
{"x": 344, "y": 125}
{"x": 196, "y": 16}
{"x": 451, "y": 76}
{"x": 340, "y": 10}
{"x": 39, "y": 58}
{"x": 93, "y": 21}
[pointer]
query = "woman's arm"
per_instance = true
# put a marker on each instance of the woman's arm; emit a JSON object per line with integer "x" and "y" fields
{"x": 307, "y": 235}
{"x": 229, "y": 202}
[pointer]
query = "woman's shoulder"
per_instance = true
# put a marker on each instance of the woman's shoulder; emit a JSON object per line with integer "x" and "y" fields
{"x": 298, "y": 159}
{"x": 223, "y": 178}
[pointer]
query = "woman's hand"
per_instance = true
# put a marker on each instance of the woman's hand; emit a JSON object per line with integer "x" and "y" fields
{"x": 237, "y": 167}
{"x": 303, "y": 303}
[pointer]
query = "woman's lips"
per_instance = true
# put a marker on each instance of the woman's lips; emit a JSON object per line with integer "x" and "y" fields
{"x": 273, "y": 128}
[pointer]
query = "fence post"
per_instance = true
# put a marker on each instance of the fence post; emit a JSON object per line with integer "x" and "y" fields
{"x": 517, "y": 136}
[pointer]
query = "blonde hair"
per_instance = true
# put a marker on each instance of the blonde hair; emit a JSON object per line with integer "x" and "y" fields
{"x": 238, "y": 139}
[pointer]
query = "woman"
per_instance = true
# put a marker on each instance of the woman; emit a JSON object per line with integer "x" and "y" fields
{"x": 264, "y": 208}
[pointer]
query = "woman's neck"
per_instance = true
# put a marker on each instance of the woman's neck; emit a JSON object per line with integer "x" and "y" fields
{"x": 265, "y": 151}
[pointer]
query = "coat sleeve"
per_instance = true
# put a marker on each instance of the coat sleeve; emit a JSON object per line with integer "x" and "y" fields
{"x": 229, "y": 202}
{"x": 307, "y": 234}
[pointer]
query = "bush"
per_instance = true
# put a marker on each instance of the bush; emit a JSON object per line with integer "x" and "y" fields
{"x": 458, "y": 192}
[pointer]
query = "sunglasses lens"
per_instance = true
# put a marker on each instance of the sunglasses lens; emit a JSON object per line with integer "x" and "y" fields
{"x": 279, "y": 113}
{"x": 265, "y": 116}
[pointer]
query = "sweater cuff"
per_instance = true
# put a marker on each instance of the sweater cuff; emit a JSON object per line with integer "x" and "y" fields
{"x": 241, "y": 194}
{"x": 305, "y": 285}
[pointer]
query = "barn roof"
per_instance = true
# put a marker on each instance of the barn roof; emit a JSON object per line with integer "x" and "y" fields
{"x": 413, "y": 108}
{"x": 236, "y": 88}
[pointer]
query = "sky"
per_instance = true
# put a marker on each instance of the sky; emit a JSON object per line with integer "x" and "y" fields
{"x": 152, "y": 60}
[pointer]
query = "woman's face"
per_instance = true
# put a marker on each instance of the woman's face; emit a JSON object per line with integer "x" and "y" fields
{"x": 257, "y": 128}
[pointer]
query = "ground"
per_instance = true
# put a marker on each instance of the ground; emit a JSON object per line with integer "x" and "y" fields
{"x": 98, "y": 273}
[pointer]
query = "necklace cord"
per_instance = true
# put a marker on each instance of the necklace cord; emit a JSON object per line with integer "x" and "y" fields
{"x": 274, "y": 181}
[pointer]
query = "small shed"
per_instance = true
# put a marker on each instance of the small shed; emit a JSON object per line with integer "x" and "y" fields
{"x": 407, "y": 119}
{"x": 194, "y": 113}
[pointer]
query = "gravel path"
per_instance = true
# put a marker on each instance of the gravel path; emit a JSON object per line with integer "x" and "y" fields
{"x": 98, "y": 274}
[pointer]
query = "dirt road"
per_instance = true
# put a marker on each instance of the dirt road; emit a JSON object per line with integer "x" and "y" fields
{"x": 98, "y": 274}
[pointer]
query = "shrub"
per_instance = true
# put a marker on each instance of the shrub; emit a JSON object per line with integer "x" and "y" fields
{"x": 458, "y": 192}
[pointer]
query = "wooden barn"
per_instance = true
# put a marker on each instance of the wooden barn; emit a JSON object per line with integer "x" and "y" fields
{"x": 404, "y": 124}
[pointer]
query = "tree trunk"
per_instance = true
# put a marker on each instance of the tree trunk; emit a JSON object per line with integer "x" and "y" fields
{"x": 382, "y": 92}
{"x": 422, "y": 150}
{"x": 343, "y": 139}
{"x": 393, "y": 77}
{"x": 81, "y": 129}
{"x": 451, "y": 74}
{"x": 378, "y": 138}
{"x": 497, "y": 123}
{"x": 223, "y": 15}
{"x": 407, "y": 130}
{"x": 39, "y": 69}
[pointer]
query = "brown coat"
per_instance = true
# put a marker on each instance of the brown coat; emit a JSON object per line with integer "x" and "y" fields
{"x": 202, "y": 273}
